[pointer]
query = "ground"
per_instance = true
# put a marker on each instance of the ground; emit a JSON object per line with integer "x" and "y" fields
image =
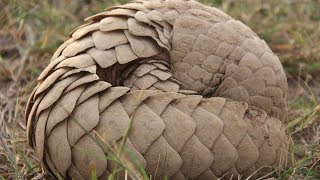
{"x": 31, "y": 31}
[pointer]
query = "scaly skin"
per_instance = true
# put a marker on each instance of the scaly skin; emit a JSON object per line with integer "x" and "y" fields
{"x": 213, "y": 95}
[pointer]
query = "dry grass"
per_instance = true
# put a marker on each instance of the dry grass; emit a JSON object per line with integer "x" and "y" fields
{"x": 32, "y": 30}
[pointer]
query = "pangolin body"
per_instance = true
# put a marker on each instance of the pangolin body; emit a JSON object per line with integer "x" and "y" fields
{"x": 207, "y": 94}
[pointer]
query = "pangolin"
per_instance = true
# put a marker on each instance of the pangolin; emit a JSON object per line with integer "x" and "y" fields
{"x": 206, "y": 96}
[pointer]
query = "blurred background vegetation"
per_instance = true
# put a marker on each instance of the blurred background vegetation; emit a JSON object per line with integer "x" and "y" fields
{"x": 30, "y": 31}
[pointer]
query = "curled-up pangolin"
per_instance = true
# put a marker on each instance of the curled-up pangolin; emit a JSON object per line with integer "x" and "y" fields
{"x": 208, "y": 95}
